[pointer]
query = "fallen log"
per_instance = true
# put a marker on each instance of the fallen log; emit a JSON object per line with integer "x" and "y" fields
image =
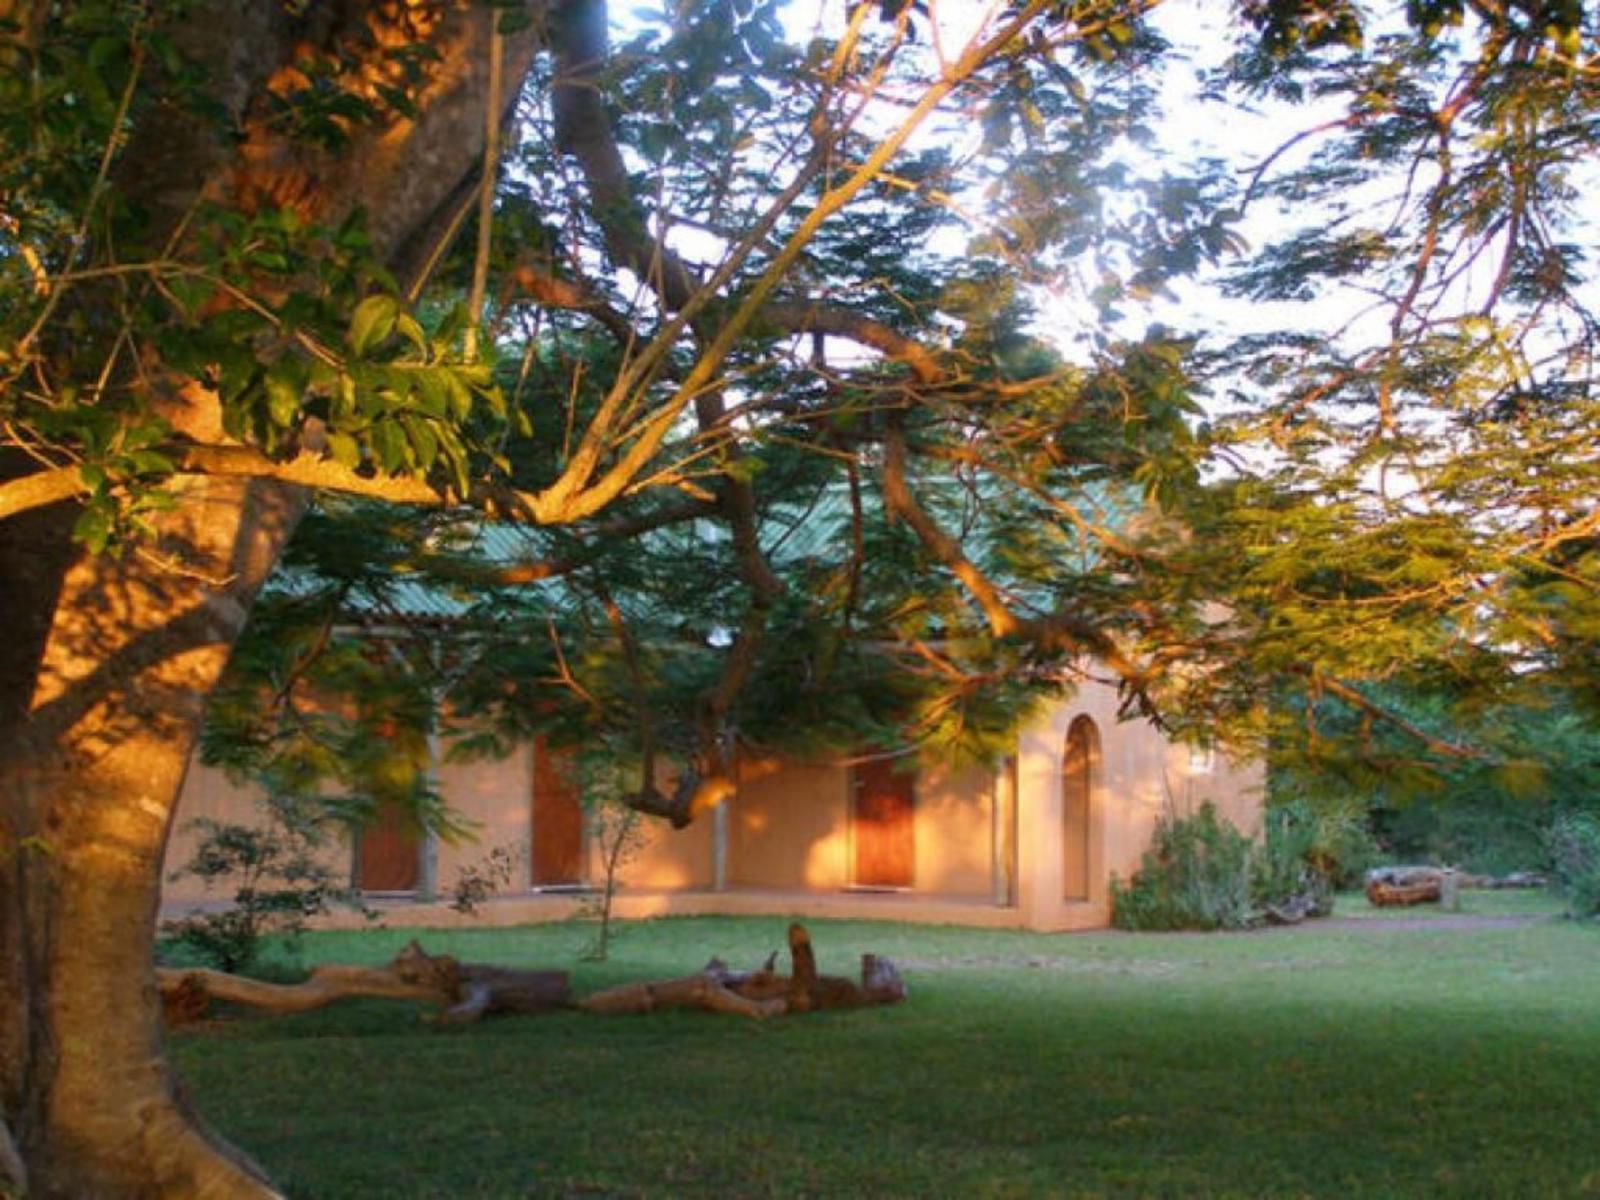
{"x": 1389, "y": 887}
{"x": 326, "y": 985}
{"x": 465, "y": 991}
{"x": 702, "y": 990}
{"x": 759, "y": 994}
{"x": 1390, "y": 895}
{"x": 468, "y": 992}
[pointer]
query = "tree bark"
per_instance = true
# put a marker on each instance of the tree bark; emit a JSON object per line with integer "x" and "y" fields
{"x": 470, "y": 991}
{"x": 192, "y": 988}
{"x": 90, "y": 780}
{"x": 692, "y": 991}
{"x": 467, "y": 991}
{"x": 107, "y": 660}
{"x": 759, "y": 994}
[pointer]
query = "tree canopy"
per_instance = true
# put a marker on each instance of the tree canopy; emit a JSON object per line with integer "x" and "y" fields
{"x": 1386, "y": 478}
{"x": 810, "y": 351}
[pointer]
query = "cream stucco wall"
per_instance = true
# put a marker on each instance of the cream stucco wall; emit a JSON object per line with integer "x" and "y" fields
{"x": 789, "y": 828}
{"x": 787, "y": 831}
{"x": 668, "y": 859}
{"x": 954, "y": 826}
{"x": 208, "y": 794}
{"x": 495, "y": 799}
{"x": 1138, "y": 776}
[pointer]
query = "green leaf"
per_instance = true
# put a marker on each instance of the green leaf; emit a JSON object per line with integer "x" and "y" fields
{"x": 433, "y": 393}
{"x": 151, "y": 462}
{"x": 373, "y": 320}
{"x": 93, "y": 527}
{"x": 344, "y": 450}
{"x": 389, "y": 446}
{"x": 407, "y": 327}
{"x": 424, "y": 442}
{"x": 460, "y": 395}
{"x": 285, "y": 384}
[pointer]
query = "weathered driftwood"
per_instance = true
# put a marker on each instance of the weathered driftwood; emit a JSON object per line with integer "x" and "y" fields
{"x": 466, "y": 991}
{"x": 759, "y": 994}
{"x": 469, "y": 991}
{"x": 1395, "y": 886}
{"x": 702, "y": 990}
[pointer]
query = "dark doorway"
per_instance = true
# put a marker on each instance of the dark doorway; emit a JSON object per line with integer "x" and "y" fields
{"x": 388, "y": 852}
{"x": 1078, "y": 765}
{"x": 882, "y": 830}
{"x": 557, "y": 858}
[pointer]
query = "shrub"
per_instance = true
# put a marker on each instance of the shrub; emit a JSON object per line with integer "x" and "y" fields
{"x": 1202, "y": 873}
{"x": 1307, "y": 852}
{"x": 1195, "y": 875}
{"x": 1573, "y": 844}
{"x": 477, "y": 882}
{"x": 278, "y": 886}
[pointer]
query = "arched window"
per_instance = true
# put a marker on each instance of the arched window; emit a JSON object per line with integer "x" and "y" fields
{"x": 1079, "y": 763}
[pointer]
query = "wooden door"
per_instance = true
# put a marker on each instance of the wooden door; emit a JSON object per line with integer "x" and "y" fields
{"x": 881, "y": 825}
{"x": 557, "y": 857}
{"x": 1077, "y": 794}
{"x": 388, "y": 852}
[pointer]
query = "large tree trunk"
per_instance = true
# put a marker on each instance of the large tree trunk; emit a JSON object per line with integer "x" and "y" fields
{"x": 106, "y": 661}
{"x": 90, "y": 780}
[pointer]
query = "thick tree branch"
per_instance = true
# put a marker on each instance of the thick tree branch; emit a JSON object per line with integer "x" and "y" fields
{"x": 307, "y": 469}
{"x": 554, "y": 292}
{"x": 38, "y": 489}
{"x": 946, "y": 550}
{"x": 798, "y": 316}
{"x": 579, "y": 44}
{"x": 606, "y": 532}
{"x": 1057, "y": 632}
{"x": 1356, "y": 700}
{"x": 575, "y": 493}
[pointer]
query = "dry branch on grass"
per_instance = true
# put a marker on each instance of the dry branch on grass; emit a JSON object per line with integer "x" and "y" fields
{"x": 468, "y": 991}
{"x": 759, "y": 994}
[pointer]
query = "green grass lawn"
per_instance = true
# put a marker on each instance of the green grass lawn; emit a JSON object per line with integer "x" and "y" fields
{"x": 1354, "y": 1059}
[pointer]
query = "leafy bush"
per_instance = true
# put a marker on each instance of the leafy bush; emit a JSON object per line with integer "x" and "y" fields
{"x": 1311, "y": 849}
{"x": 1573, "y": 844}
{"x": 1340, "y": 845}
{"x": 1202, "y": 873}
{"x": 278, "y": 887}
{"x": 1293, "y": 863}
{"x": 1195, "y": 875}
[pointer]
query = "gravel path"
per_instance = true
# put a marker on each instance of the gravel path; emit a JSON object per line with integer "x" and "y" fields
{"x": 1462, "y": 921}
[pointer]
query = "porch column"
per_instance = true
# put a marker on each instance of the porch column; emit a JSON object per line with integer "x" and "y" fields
{"x": 719, "y": 846}
{"x": 1003, "y": 833}
{"x": 428, "y": 852}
